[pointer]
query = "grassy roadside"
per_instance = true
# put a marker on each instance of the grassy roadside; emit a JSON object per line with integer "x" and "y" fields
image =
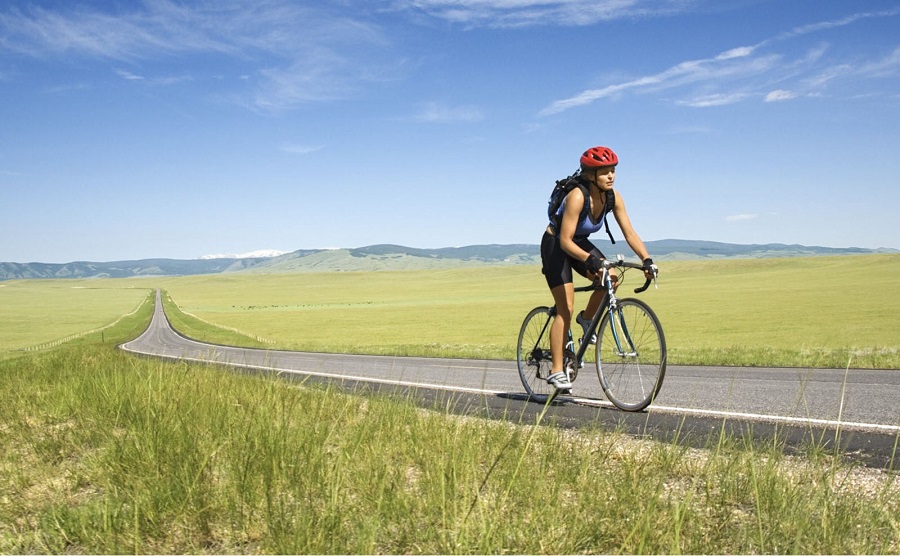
{"x": 104, "y": 452}
{"x": 198, "y": 329}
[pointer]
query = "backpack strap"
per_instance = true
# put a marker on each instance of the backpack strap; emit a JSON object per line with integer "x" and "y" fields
{"x": 586, "y": 193}
{"x": 610, "y": 205}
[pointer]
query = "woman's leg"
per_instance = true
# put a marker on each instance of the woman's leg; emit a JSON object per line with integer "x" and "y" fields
{"x": 596, "y": 300}
{"x": 557, "y": 268}
{"x": 564, "y": 298}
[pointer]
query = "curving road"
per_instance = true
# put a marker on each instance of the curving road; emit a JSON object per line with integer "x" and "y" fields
{"x": 857, "y": 410}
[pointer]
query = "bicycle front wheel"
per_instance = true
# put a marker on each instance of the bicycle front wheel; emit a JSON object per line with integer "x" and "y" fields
{"x": 533, "y": 352}
{"x": 631, "y": 355}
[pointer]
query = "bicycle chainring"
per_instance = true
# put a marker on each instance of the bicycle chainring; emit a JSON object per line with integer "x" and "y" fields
{"x": 571, "y": 365}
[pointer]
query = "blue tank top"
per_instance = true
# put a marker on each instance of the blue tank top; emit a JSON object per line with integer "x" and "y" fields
{"x": 587, "y": 225}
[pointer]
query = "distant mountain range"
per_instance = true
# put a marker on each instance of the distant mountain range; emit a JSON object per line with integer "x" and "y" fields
{"x": 396, "y": 257}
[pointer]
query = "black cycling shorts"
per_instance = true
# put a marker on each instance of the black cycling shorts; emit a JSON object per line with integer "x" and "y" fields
{"x": 558, "y": 265}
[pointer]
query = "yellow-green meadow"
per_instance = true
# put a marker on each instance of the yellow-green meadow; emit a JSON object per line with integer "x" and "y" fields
{"x": 37, "y": 313}
{"x": 815, "y": 311}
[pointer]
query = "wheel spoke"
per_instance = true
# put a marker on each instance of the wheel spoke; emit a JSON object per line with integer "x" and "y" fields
{"x": 631, "y": 355}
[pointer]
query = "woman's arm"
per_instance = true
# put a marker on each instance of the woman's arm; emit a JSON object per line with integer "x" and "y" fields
{"x": 574, "y": 203}
{"x": 631, "y": 237}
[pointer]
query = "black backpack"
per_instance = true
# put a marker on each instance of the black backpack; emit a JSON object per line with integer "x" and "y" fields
{"x": 562, "y": 188}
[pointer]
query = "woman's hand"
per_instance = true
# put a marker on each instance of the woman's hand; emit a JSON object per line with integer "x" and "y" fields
{"x": 650, "y": 269}
{"x": 593, "y": 265}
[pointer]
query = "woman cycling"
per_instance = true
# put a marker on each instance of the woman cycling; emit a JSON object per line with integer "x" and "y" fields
{"x": 565, "y": 246}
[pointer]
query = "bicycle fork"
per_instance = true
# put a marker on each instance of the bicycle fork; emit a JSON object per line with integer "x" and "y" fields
{"x": 619, "y": 330}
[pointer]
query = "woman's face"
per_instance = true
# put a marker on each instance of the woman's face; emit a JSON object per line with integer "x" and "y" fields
{"x": 605, "y": 177}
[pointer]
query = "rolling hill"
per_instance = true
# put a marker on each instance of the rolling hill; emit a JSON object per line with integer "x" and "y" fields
{"x": 397, "y": 257}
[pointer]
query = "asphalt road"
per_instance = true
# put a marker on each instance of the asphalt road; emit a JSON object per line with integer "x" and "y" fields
{"x": 854, "y": 411}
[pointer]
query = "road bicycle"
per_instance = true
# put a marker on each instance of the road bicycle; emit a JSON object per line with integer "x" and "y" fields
{"x": 630, "y": 351}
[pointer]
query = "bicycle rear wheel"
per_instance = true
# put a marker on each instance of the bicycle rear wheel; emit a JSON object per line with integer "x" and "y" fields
{"x": 533, "y": 352}
{"x": 631, "y": 355}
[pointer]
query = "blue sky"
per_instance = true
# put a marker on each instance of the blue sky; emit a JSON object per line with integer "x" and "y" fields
{"x": 177, "y": 129}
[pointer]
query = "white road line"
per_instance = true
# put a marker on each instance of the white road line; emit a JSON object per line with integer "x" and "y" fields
{"x": 779, "y": 418}
{"x": 751, "y": 416}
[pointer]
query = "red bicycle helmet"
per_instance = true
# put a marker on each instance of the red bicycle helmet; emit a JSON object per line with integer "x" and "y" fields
{"x": 597, "y": 157}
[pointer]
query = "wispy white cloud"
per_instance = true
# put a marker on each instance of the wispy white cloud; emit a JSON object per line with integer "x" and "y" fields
{"x": 156, "y": 80}
{"x": 719, "y": 99}
{"x": 821, "y": 77}
{"x": 128, "y": 76}
{"x": 522, "y": 13}
{"x": 739, "y": 52}
{"x": 888, "y": 66}
{"x": 779, "y": 95}
{"x": 749, "y": 216}
{"x": 741, "y": 217}
{"x": 833, "y": 24}
{"x": 163, "y": 27}
{"x": 315, "y": 78}
{"x": 310, "y": 53}
{"x": 729, "y": 64}
{"x": 302, "y": 149}
{"x": 748, "y": 72}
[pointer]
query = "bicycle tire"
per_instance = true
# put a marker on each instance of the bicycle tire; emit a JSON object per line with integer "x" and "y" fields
{"x": 533, "y": 352}
{"x": 631, "y": 379}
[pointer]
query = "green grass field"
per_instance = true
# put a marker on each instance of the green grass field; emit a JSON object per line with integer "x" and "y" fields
{"x": 816, "y": 311}
{"x": 44, "y": 312}
{"x": 820, "y": 312}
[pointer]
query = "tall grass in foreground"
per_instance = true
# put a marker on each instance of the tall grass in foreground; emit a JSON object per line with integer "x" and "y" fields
{"x": 103, "y": 452}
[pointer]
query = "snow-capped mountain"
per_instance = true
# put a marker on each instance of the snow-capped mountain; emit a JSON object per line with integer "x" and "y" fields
{"x": 262, "y": 253}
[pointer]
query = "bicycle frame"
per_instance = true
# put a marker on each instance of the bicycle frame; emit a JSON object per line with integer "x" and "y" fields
{"x": 609, "y": 303}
